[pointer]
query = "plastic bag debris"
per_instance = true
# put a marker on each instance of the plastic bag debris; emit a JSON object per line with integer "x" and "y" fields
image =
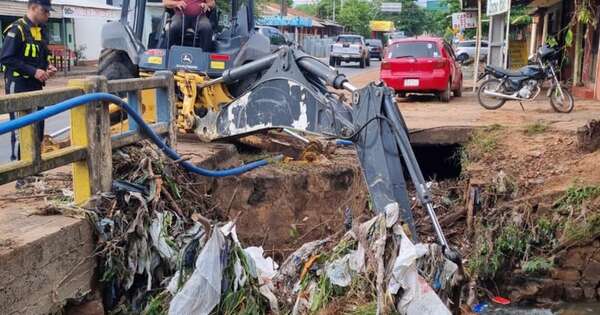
{"x": 265, "y": 266}
{"x": 392, "y": 212}
{"x": 338, "y": 272}
{"x": 202, "y": 292}
{"x": 479, "y": 308}
{"x": 500, "y": 300}
{"x": 418, "y": 297}
{"x": 157, "y": 234}
{"x": 425, "y": 302}
{"x": 292, "y": 265}
{"x": 105, "y": 227}
{"x": 341, "y": 270}
{"x": 266, "y": 269}
{"x": 357, "y": 259}
{"x": 240, "y": 276}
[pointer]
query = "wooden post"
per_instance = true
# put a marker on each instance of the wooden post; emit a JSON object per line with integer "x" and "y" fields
{"x": 134, "y": 100}
{"x": 90, "y": 127}
{"x": 507, "y": 42}
{"x": 473, "y": 194}
{"x": 30, "y": 145}
{"x": 533, "y": 39}
{"x": 65, "y": 45}
{"x": 545, "y": 28}
{"x": 165, "y": 106}
{"x": 578, "y": 55}
{"x": 478, "y": 48}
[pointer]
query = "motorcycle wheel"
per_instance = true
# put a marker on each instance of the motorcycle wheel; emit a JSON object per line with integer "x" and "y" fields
{"x": 490, "y": 102}
{"x": 563, "y": 104}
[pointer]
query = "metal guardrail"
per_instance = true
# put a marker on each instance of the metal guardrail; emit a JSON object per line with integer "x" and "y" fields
{"x": 316, "y": 46}
{"x": 92, "y": 142}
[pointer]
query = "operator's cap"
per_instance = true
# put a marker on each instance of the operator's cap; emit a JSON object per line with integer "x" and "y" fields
{"x": 46, "y": 4}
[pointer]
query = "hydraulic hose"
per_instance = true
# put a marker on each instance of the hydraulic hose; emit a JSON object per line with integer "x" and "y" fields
{"x": 106, "y": 97}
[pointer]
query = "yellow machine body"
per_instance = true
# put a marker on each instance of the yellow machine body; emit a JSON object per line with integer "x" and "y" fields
{"x": 209, "y": 98}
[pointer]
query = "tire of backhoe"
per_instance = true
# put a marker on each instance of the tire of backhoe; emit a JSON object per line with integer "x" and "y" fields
{"x": 361, "y": 63}
{"x": 115, "y": 64}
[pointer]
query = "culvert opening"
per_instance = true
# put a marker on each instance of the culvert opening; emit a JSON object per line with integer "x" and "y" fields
{"x": 439, "y": 161}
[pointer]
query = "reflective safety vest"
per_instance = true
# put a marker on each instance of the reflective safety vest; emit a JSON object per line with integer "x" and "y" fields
{"x": 32, "y": 39}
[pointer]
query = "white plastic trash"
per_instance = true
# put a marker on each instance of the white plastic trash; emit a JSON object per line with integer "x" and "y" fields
{"x": 202, "y": 292}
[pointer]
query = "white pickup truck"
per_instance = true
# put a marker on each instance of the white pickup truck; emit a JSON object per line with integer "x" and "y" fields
{"x": 349, "y": 48}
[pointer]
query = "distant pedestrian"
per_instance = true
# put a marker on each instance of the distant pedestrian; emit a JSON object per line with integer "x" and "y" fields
{"x": 24, "y": 56}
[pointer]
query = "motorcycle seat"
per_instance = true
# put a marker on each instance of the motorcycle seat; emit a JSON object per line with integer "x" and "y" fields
{"x": 505, "y": 72}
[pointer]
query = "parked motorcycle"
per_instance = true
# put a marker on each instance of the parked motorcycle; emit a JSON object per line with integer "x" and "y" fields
{"x": 525, "y": 84}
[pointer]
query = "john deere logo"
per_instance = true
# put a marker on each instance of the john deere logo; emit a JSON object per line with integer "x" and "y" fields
{"x": 186, "y": 59}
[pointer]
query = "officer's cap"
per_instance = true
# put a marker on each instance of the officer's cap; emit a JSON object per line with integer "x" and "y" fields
{"x": 44, "y": 3}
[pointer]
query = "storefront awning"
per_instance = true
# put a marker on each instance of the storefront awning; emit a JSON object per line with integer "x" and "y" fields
{"x": 278, "y": 20}
{"x": 72, "y": 9}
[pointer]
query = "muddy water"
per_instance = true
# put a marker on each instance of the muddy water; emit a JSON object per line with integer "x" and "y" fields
{"x": 566, "y": 309}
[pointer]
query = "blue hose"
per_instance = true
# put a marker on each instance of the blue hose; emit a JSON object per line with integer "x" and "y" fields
{"x": 342, "y": 142}
{"x": 95, "y": 97}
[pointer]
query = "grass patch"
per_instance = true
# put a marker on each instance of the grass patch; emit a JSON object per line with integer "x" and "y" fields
{"x": 582, "y": 230}
{"x": 538, "y": 127}
{"x": 537, "y": 265}
{"x": 582, "y": 222}
{"x": 483, "y": 141}
{"x": 544, "y": 234}
{"x": 158, "y": 305}
{"x": 509, "y": 246}
{"x": 576, "y": 195}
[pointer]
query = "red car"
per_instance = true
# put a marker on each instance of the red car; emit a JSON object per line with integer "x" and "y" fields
{"x": 422, "y": 65}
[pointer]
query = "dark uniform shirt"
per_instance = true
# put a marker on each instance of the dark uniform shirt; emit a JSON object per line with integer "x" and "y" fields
{"x": 24, "y": 51}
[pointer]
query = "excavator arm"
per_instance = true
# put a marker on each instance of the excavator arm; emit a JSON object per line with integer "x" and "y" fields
{"x": 295, "y": 93}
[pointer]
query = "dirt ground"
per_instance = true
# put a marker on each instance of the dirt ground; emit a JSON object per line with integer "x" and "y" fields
{"x": 424, "y": 111}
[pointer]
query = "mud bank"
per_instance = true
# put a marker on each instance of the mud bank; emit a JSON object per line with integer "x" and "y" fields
{"x": 525, "y": 214}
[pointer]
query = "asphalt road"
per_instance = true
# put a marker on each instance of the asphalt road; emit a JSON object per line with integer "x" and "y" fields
{"x": 351, "y": 69}
{"x": 53, "y": 124}
{"x": 61, "y": 121}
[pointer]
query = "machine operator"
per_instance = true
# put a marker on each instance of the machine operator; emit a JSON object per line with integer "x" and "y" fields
{"x": 190, "y": 15}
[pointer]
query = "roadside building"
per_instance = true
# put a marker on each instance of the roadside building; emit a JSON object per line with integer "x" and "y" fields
{"x": 380, "y": 28}
{"x": 551, "y": 20}
{"x": 294, "y": 22}
{"x": 74, "y": 25}
{"x": 550, "y": 23}
{"x": 331, "y": 29}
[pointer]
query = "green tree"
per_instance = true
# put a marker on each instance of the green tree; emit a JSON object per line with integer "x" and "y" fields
{"x": 310, "y": 9}
{"x": 439, "y": 22}
{"x": 325, "y": 9}
{"x": 355, "y": 15}
{"x": 412, "y": 20}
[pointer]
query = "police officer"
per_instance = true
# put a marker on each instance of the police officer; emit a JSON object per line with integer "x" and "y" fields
{"x": 24, "y": 55}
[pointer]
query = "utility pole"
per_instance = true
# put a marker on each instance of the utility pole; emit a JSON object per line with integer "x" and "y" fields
{"x": 333, "y": 10}
{"x": 284, "y": 5}
{"x": 507, "y": 42}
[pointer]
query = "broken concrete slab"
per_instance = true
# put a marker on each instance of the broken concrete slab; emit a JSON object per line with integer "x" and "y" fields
{"x": 44, "y": 261}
